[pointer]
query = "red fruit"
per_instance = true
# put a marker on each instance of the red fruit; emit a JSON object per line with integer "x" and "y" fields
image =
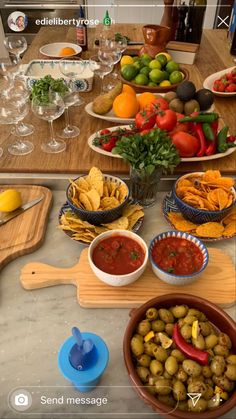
{"x": 145, "y": 119}
{"x": 166, "y": 120}
{"x": 186, "y": 144}
{"x": 108, "y": 145}
{"x": 159, "y": 104}
{"x": 105, "y": 131}
{"x": 231, "y": 88}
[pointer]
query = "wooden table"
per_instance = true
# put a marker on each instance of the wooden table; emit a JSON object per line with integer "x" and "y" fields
{"x": 213, "y": 56}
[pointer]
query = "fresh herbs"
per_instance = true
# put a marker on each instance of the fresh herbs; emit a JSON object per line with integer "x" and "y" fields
{"x": 40, "y": 89}
{"x": 119, "y": 36}
{"x": 134, "y": 255}
{"x": 145, "y": 153}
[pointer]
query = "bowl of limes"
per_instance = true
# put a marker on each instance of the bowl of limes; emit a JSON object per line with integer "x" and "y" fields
{"x": 144, "y": 73}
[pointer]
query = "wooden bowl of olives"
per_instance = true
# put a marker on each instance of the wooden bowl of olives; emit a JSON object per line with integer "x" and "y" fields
{"x": 178, "y": 344}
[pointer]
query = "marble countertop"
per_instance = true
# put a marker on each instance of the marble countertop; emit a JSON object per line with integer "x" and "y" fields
{"x": 34, "y": 324}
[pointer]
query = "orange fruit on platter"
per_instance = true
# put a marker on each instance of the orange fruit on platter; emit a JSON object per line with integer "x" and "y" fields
{"x": 67, "y": 51}
{"x": 125, "y": 105}
{"x": 128, "y": 89}
{"x": 145, "y": 99}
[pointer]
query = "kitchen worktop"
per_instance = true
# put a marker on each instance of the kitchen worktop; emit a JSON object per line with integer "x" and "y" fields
{"x": 213, "y": 56}
{"x": 34, "y": 324}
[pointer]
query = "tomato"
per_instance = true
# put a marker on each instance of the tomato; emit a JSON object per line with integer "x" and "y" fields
{"x": 186, "y": 144}
{"x": 105, "y": 131}
{"x": 145, "y": 119}
{"x": 109, "y": 143}
{"x": 179, "y": 115}
{"x": 231, "y": 87}
{"x": 158, "y": 104}
{"x": 166, "y": 120}
{"x": 184, "y": 127}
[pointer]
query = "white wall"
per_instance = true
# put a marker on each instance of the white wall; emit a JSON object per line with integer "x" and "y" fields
{"x": 3, "y": 51}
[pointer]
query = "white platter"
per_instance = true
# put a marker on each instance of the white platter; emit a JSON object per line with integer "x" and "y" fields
{"x": 109, "y": 116}
{"x": 53, "y": 50}
{"x": 209, "y": 81}
{"x": 183, "y": 159}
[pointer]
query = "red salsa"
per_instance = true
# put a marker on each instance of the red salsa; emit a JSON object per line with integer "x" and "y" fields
{"x": 118, "y": 255}
{"x": 177, "y": 256}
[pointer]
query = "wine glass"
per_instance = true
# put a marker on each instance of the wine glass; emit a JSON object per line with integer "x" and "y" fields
{"x": 70, "y": 98}
{"x": 12, "y": 112}
{"x": 71, "y": 68}
{"x": 100, "y": 68}
{"x": 9, "y": 68}
{"x": 15, "y": 45}
{"x": 50, "y": 110}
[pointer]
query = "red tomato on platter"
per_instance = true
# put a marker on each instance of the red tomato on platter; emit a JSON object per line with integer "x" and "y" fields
{"x": 186, "y": 144}
{"x": 145, "y": 119}
{"x": 166, "y": 120}
{"x": 159, "y": 104}
{"x": 105, "y": 131}
{"x": 109, "y": 144}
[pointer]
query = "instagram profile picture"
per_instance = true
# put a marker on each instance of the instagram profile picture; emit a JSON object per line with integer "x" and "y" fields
{"x": 17, "y": 21}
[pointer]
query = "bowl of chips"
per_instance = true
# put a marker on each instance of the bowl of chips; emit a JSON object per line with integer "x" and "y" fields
{"x": 97, "y": 198}
{"x": 118, "y": 257}
{"x": 204, "y": 196}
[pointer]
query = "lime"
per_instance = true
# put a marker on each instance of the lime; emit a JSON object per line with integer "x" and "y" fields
{"x": 166, "y": 75}
{"x": 126, "y": 59}
{"x": 172, "y": 66}
{"x": 168, "y": 56}
{"x": 165, "y": 83}
{"x": 155, "y": 64}
{"x": 145, "y": 61}
{"x": 129, "y": 71}
{"x": 135, "y": 58}
{"x": 141, "y": 79}
{"x": 146, "y": 56}
{"x": 156, "y": 75}
{"x": 152, "y": 84}
{"x": 138, "y": 65}
{"x": 162, "y": 59}
{"x": 145, "y": 70}
{"x": 176, "y": 77}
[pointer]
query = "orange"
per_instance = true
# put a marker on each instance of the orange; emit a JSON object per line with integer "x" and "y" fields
{"x": 128, "y": 89}
{"x": 125, "y": 105}
{"x": 145, "y": 99}
{"x": 67, "y": 51}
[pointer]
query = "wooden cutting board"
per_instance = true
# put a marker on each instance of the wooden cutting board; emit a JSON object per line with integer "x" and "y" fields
{"x": 25, "y": 233}
{"x": 217, "y": 283}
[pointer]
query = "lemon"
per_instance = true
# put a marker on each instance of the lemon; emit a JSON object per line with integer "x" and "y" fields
{"x": 155, "y": 64}
{"x": 165, "y": 83}
{"x": 126, "y": 59}
{"x": 168, "y": 56}
{"x": 10, "y": 200}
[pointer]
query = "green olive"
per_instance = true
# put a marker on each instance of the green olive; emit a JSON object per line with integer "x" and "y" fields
{"x": 209, "y": 393}
{"x": 211, "y": 341}
{"x": 199, "y": 342}
{"x": 200, "y": 406}
{"x": 166, "y": 315}
{"x": 179, "y": 391}
{"x": 140, "y": 337}
{"x": 158, "y": 326}
{"x": 224, "y": 340}
{"x": 179, "y": 311}
{"x": 221, "y": 350}
{"x": 206, "y": 371}
{"x": 223, "y": 382}
{"x": 217, "y": 365}
{"x": 211, "y": 353}
{"x": 189, "y": 319}
{"x": 163, "y": 386}
{"x": 144, "y": 327}
{"x": 197, "y": 387}
{"x": 137, "y": 346}
{"x": 169, "y": 329}
{"x": 171, "y": 365}
{"x": 167, "y": 375}
{"x": 152, "y": 313}
{"x": 192, "y": 368}
{"x": 143, "y": 374}
{"x": 194, "y": 312}
{"x": 144, "y": 360}
{"x": 181, "y": 375}
{"x": 195, "y": 379}
{"x": 205, "y": 328}
{"x": 183, "y": 406}
{"x": 231, "y": 372}
{"x": 209, "y": 382}
{"x": 186, "y": 331}
{"x": 156, "y": 367}
{"x": 168, "y": 399}
{"x": 160, "y": 354}
{"x": 149, "y": 347}
{"x": 178, "y": 355}
{"x": 152, "y": 379}
{"x": 231, "y": 359}
{"x": 150, "y": 389}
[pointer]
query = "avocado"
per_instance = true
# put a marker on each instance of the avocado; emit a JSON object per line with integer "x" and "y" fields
{"x": 176, "y": 105}
{"x": 205, "y": 98}
{"x": 191, "y": 106}
{"x": 186, "y": 90}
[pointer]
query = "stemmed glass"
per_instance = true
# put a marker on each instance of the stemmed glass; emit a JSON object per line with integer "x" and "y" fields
{"x": 101, "y": 69}
{"x": 71, "y": 97}
{"x": 111, "y": 51}
{"x": 12, "y": 112}
{"x": 50, "y": 110}
{"x": 16, "y": 45}
{"x": 10, "y": 68}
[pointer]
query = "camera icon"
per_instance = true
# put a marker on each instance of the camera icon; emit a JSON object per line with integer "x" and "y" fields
{"x": 21, "y": 400}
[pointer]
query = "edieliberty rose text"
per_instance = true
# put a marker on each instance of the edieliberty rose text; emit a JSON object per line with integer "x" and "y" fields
{"x": 57, "y": 21}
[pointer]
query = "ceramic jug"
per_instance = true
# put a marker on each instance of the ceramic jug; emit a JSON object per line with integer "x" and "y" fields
{"x": 155, "y": 39}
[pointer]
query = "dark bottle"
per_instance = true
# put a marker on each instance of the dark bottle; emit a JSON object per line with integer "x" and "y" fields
{"x": 180, "y": 31}
{"x": 81, "y": 30}
{"x": 233, "y": 45}
{"x": 196, "y": 14}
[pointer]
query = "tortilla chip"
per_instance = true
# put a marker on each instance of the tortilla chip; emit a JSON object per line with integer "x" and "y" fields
{"x": 121, "y": 223}
{"x": 175, "y": 216}
{"x": 130, "y": 209}
{"x": 222, "y": 198}
{"x": 229, "y": 218}
{"x": 109, "y": 202}
{"x": 211, "y": 175}
{"x": 95, "y": 179}
{"x": 123, "y": 191}
{"x": 94, "y": 199}
{"x": 105, "y": 190}
{"x": 230, "y": 229}
{"x": 83, "y": 184}
{"x": 211, "y": 229}
{"x": 185, "y": 225}
{"x": 85, "y": 201}
{"x": 133, "y": 218}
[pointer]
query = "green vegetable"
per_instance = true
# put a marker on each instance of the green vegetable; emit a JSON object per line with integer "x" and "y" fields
{"x": 40, "y": 89}
{"x": 201, "y": 117}
{"x": 222, "y": 144}
{"x": 148, "y": 152}
{"x": 119, "y": 36}
{"x": 208, "y": 131}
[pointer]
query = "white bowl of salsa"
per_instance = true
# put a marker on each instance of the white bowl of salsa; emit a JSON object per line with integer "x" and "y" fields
{"x": 118, "y": 257}
{"x": 177, "y": 258}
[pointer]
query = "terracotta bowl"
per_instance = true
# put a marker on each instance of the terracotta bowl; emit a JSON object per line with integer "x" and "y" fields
{"x": 214, "y": 314}
{"x": 159, "y": 89}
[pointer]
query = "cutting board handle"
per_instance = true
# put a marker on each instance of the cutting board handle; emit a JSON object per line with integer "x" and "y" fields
{"x": 38, "y": 275}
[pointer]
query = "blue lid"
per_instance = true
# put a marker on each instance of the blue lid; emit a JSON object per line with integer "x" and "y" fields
{"x": 83, "y": 354}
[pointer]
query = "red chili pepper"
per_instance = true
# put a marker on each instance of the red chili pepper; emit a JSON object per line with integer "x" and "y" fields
{"x": 211, "y": 149}
{"x": 231, "y": 139}
{"x": 188, "y": 350}
{"x": 197, "y": 127}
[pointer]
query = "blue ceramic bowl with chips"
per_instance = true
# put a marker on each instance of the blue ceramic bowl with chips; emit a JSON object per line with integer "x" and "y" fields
{"x": 172, "y": 278}
{"x": 101, "y": 216}
{"x": 197, "y": 215}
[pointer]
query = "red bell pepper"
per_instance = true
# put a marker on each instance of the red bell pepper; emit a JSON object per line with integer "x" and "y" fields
{"x": 188, "y": 350}
{"x": 198, "y": 131}
{"x": 211, "y": 149}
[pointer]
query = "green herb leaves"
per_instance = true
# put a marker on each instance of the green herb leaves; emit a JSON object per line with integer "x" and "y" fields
{"x": 147, "y": 152}
{"x": 40, "y": 89}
